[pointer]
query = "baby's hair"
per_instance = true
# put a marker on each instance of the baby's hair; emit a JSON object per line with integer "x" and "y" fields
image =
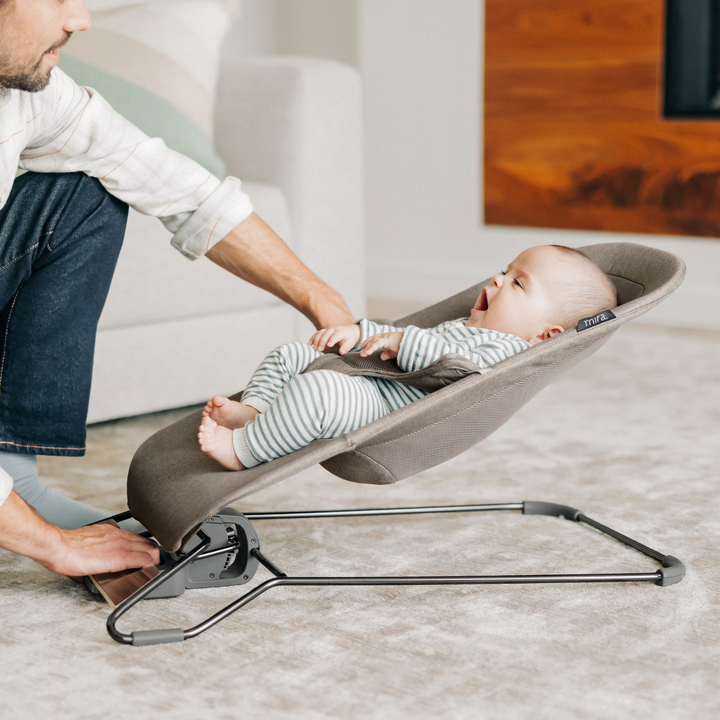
{"x": 589, "y": 290}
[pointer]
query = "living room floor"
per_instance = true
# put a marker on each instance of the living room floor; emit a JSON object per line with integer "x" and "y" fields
{"x": 630, "y": 437}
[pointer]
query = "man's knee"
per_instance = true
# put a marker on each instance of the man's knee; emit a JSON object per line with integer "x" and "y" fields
{"x": 91, "y": 207}
{"x": 83, "y": 231}
{"x": 58, "y": 207}
{"x": 107, "y": 204}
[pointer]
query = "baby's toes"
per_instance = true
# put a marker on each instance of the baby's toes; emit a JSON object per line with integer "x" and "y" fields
{"x": 220, "y": 401}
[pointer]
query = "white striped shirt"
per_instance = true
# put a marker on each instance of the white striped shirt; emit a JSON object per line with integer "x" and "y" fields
{"x": 295, "y": 409}
{"x": 421, "y": 347}
{"x": 67, "y": 128}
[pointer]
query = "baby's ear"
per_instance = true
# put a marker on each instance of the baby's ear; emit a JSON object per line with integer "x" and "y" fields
{"x": 554, "y": 330}
{"x": 548, "y": 332}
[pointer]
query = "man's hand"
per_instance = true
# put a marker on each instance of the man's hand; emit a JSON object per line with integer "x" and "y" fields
{"x": 253, "y": 252}
{"x": 388, "y": 340}
{"x": 98, "y": 549}
{"x": 93, "y": 549}
{"x": 331, "y": 310}
{"x": 344, "y": 336}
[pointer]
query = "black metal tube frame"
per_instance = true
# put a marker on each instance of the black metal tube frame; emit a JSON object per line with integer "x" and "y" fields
{"x": 672, "y": 570}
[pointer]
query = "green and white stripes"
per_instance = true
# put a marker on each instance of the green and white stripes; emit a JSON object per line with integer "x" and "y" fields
{"x": 421, "y": 347}
{"x": 296, "y": 409}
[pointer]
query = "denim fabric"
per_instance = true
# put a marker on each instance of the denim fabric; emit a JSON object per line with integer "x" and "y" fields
{"x": 60, "y": 236}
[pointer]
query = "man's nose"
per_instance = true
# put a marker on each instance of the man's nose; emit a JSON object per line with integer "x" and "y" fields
{"x": 77, "y": 17}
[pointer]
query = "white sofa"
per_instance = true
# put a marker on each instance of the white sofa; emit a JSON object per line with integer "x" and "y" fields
{"x": 174, "y": 332}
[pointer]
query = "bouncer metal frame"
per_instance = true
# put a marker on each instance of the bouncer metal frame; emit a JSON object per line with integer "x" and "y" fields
{"x": 244, "y": 546}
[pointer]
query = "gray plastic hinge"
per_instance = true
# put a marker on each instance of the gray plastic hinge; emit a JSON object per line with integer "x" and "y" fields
{"x": 672, "y": 571}
{"x": 530, "y": 507}
{"x": 157, "y": 637}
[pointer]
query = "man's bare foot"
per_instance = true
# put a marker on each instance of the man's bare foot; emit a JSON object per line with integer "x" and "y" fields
{"x": 228, "y": 413}
{"x": 217, "y": 442}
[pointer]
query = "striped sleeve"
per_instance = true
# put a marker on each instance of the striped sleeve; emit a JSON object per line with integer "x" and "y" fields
{"x": 368, "y": 328}
{"x": 6, "y": 484}
{"x": 420, "y": 348}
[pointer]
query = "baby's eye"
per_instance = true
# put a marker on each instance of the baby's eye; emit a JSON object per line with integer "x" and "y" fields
{"x": 517, "y": 282}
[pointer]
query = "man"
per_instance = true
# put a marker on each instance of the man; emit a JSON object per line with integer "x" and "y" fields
{"x": 61, "y": 227}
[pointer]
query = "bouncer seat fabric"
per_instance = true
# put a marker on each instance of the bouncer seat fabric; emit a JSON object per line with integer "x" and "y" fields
{"x": 173, "y": 487}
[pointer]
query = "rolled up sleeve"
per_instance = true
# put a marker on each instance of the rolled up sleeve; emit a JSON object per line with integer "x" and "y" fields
{"x": 80, "y": 132}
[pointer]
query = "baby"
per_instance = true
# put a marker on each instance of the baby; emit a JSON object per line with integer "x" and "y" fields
{"x": 544, "y": 291}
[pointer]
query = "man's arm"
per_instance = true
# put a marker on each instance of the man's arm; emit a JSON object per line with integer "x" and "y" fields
{"x": 75, "y": 129}
{"x": 253, "y": 252}
{"x": 92, "y": 549}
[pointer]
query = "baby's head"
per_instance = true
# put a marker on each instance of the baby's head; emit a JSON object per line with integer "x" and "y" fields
{"x": 545, "y": 290}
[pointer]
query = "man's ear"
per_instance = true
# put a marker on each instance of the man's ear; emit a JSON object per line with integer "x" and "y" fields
{"x": 548, "y": 332}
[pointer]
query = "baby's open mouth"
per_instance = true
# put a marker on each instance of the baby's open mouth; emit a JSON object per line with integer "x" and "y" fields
{"x": 482, "y": 304}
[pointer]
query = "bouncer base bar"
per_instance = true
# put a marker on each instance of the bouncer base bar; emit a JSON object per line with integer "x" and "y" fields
{"x": 229, "y": 537}
{"x": 157, "y": 637}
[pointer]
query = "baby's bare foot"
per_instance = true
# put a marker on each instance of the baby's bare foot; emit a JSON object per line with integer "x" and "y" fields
{"x": 228, "y": 413}
{"x": 217, "y": 442}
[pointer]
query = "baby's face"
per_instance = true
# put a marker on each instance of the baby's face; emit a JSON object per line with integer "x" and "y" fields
{"x": 520, "y": 301}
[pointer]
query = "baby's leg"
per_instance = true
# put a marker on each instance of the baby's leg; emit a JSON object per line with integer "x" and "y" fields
{"x": 275, "y": 372}
{"x": 271, "y": 376}
{"x": 321, "y": 404}
{"x": 217, "y": 442}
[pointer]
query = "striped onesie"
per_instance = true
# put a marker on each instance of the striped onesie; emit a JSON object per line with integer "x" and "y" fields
{"x": 296, "y": 409}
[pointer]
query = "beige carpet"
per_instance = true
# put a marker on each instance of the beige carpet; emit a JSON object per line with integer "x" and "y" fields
{"x": 630, "y": 437}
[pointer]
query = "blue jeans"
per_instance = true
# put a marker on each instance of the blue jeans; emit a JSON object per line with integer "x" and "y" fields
{"x": 60, "y": 236}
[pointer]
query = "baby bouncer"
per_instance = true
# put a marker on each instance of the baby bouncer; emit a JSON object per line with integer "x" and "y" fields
{"x": 181, "y": 495}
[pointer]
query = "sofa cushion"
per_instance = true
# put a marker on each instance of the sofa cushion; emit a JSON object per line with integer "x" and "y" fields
{"x": 157, "y": 64}
{"x": 153, "y": 283}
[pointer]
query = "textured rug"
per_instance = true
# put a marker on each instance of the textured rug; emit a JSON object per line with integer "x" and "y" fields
{"x": 630, "y": 437}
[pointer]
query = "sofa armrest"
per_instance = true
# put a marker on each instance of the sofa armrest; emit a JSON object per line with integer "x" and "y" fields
{"x": 297, "y": 123}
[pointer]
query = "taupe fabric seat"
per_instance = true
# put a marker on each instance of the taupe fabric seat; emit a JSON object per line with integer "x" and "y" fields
{"x": 173, "y": 487}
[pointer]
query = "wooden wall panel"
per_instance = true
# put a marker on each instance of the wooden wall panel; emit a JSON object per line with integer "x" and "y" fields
{"x": 574, "y": 133}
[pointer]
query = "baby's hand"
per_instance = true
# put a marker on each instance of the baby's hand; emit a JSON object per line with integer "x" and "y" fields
{"x": 389, "y": 340}
{"x": 345, "y": 336}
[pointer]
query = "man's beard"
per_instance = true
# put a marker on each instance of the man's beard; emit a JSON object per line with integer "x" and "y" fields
{"x": 29, "y": 79}
{"x": 32, "y": 80}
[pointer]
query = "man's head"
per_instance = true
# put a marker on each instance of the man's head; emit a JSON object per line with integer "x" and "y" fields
{"x": 31, "y": 31}
{"x": 545, "y": 290}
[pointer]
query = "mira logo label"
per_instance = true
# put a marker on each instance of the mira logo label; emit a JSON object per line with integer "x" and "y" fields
{"x": 602, "y": 317}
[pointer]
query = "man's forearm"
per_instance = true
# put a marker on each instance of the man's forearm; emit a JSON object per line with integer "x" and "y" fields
{"x": 255, "y": 253}
{"x": 86, "y": 550}
{"x": 24, "y": 532}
